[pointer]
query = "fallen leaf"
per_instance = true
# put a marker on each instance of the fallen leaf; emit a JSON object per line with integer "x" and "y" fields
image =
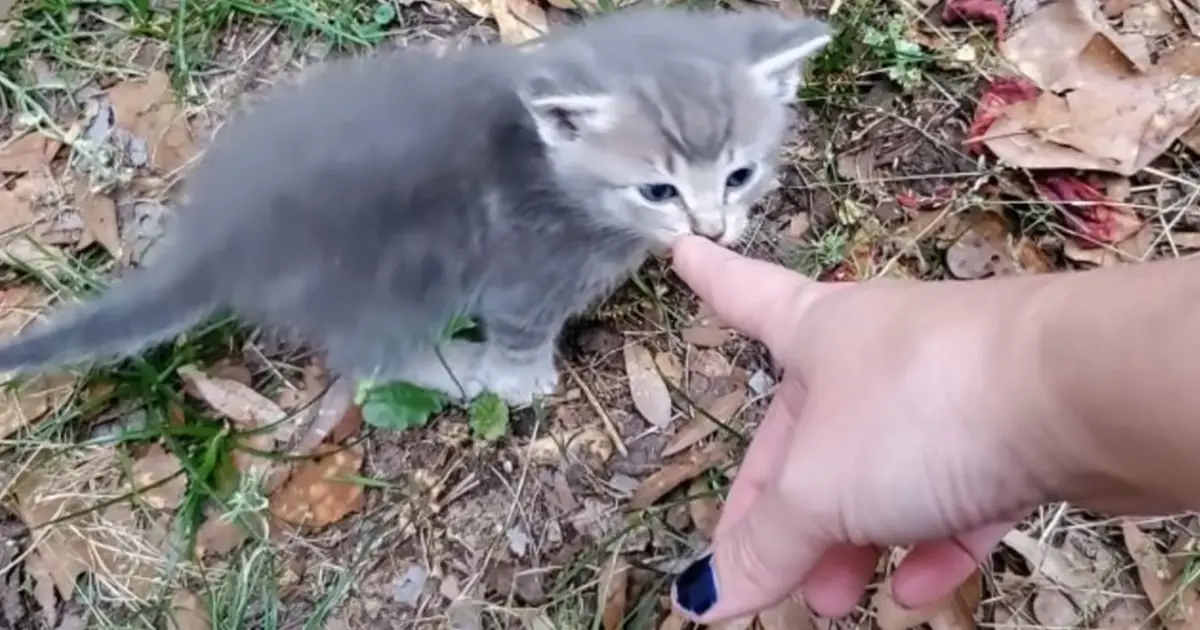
{"x": 613, "y": 591}
{"x": 237, "y": 402}
{"x": 650, "y": 394}
{"x": 1053, "y": 609}
{"x": 478, "y": 8}
{"x": 189, "y": 612}
{"x": 157, "y": 465}
{"x": 954, "y": 611}
{"x": 35, "y": 396}
{"x": 147, "y": 108}
{"x": 1088, "y": 211}
{"x": 982, "y": 250}
{"x": 1136, "y": 248}
{"x": 669, "y": 477}
{"x": 1148, "y": 18}
{"x": 670, "y": 367}
{"x": 673, "y": 621}
{"x": 704, "y": 507}
{"x": 702, "y": 425}
{"x": 1105, "y": 107}
{"x": 1190, "y": 12}
{"x": 977, "y": 11}
{"x": 518, "y": 20}
{"x": 1047, "y": 561}
{"x": 1186, "y": 240}
{"x": 710, "y": 363}
{"x": 321, "y": 490}
{"x": 798, "y": 226}
{"x": 790, "y": 614}
{"x": 31, "y": 152}
{"x": 1152, "y": 566}
{"x": 706, "y": 337}
{"x": 1031, "y": 258}
{"x": 99, "y": 214}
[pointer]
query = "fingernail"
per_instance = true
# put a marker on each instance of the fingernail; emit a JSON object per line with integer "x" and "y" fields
{"x": 695, "y": 590}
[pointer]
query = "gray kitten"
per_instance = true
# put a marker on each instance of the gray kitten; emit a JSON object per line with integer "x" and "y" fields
{"x": 366, "y": 206}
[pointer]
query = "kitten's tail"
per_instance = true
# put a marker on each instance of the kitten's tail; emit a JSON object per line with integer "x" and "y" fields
{"x": 152, "y": 306}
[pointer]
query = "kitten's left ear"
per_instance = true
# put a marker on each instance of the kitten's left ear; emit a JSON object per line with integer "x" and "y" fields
{"x": 562, "y": 115}
{"x": 778, "y": 55}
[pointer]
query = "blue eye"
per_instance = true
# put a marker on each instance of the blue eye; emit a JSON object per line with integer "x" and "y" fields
{"x": 738, "y": 178}
{"x": 658, "y": 193}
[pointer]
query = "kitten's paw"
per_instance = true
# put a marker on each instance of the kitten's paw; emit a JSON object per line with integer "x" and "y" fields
{"x": 519, "y": 385}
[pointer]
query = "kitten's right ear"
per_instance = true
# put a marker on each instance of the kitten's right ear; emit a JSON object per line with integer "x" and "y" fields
{"x": 779, "y": 52}
{"x": 563, "y": 116}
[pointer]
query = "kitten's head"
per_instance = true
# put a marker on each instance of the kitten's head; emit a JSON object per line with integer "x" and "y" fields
{"x": 672, "y": 120}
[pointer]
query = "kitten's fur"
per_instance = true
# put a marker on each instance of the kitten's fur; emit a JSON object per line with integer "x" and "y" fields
{"x": 366, "y": 206}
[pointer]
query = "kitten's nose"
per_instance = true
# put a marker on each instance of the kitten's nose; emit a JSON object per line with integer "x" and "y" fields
{"x": 709, "y": 229}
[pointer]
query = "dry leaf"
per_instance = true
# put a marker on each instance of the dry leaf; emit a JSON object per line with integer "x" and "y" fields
{"x": 706, "y": 337}
{"x": 1186, "y": 240}
{"x": 189, "y": 611}
{"x": 99, "y": 214}
{"x": 670, "y": 367}
{"x": 155, "y": 466}
{"x": 588, "y": 443}
{"x": 710, "y": 364}
{"x": 1152, "y": 567}
{"x": 790, "y": 614}
{"x": 237, "y": 402}
{"x": 612, "y": 591}
{"x": 32, "y": 152}
{"x": 478, "y": 8}
{"x": 954, "y": 611}
{"x": 321, "y": 491}
{"x": 1053, "y": 609}
{"x": 38, "y": 395}
{"x": 1031, "y": 258}
{"x": 1047, "y": 561}
{"x": 670, "y": 476}
{"x": 702, "y": 425}
{"x": 673, "y": 621}
{"x": 704, "y": 508}
{"x": 518, "y": 20}
{"x": 147, "y": 108}
{"x": 1105, "y": 107}
{"x": 650, "y": 394}
{"x": 1133, "y": 249}
{"x": 1190, "y": 11}
{"x": 798, "y": 226}
{"x": 982, "y": 250}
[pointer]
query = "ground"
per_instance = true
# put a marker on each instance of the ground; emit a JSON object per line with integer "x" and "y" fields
{"x": 181, "y": 489}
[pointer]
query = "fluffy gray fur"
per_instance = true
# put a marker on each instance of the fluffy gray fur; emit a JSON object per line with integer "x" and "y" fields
{"x": 367, "y": 205}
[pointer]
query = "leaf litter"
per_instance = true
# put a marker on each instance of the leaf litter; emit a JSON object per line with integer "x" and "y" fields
{"x": 646, "y": 387}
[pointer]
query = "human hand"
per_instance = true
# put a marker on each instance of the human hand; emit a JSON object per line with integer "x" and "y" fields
{"x": 901, "y": 419}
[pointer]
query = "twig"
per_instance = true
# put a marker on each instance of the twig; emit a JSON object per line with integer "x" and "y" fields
{"x": 608, "y": 423}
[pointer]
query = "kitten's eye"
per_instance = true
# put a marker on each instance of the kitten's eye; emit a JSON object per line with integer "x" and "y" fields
{"x": 658, "y": 193}
{"x": 738, "y": 178}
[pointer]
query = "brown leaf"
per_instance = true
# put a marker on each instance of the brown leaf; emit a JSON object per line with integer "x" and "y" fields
{"x": 31, "y": 152}
{"x": 147, "y": 108}
{"x": 954, "y": 611}
{"x": 38, "y": 395}
{"x": 1152, "y": 566}
{"x": 1031, "y": 258}
{"x": 155, "y": 466}
{"x": 613, "y": 591}
{"x": 189, "y": 611}
{"x": 670, "y": 476}
{"x": 478, "y": 8}
{"x": 705, "y": 337}
{"x": 1047, "y": 561}
{"x": 16, "y": 207}
{"x": 1105, "y": 107}
{"x": 99, "y": 214}
{"x": 670, "y": 367}
{"x": 236, "y": 401}
{"x": 650, "y": 394}
{"x": 710, "y": 363}
{"x": 320, "y": 492}
{"x": 701, "y": 426}
{"x": 1053, "y": 609}
{"x": 798, "y": 227}
{"x": 1186, "y": 240}
{"x": 790, "y": 614}
{"x": 518, "y": 20}
{"x": 1136, "y": 248}
{"x": 982, "y": 250}
{"x": 704, "y": 508}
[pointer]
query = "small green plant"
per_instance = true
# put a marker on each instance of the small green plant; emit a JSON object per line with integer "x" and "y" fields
{"x": 399, "y": 405}
{"x": 900, "y": 58}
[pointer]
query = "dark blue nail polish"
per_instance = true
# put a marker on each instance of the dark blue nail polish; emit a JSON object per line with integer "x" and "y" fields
{"x": 696, "y": 588}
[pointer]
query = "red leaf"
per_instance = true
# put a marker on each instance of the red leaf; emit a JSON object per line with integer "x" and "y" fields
{"x": 1099, "y": 221}
{"x": 977, "y": 11}
{"x": 999, "y": 94}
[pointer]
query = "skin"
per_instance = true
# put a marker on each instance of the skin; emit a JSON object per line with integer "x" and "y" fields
{"x": 938, "y": 414}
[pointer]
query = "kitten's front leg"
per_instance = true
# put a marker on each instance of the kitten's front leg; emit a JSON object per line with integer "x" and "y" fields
{"x": 518, "y": 360}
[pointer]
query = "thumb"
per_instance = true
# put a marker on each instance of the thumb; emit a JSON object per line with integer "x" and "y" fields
{"x": 753, "y": 565}
{"x": 758, "y": 298}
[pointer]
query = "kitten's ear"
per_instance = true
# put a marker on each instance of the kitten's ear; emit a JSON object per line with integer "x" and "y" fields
{"x": 778, "y": 55}
{"x": 562, "y": 116}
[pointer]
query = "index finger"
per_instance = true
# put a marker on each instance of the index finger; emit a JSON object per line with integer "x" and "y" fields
{"x": 760, "y": 299}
